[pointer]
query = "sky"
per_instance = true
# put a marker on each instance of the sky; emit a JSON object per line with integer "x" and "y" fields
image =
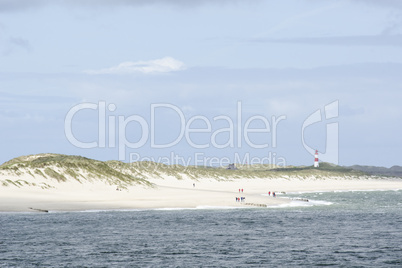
{"x": 205, "y": 82}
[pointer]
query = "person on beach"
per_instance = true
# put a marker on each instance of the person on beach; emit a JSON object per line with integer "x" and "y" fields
{"x": 193, "y": 184}
{"x": 273, "y": 194}
{"x": 241, "y": 190}
{"x": 269, "y": 193}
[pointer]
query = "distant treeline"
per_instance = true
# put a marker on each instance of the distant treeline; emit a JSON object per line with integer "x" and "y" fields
{"x": 395, "y": 171}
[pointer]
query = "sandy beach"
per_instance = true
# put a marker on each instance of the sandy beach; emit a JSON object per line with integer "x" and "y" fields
{"x": 169, "y": 192}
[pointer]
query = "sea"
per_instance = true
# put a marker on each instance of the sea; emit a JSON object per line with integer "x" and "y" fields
{"x": 340, "y": 229}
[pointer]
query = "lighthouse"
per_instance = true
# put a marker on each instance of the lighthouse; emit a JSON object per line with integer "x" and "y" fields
{"x": 316, "y": 159}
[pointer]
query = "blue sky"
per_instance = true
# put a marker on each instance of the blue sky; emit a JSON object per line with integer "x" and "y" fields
{"x": 276, "y": 58}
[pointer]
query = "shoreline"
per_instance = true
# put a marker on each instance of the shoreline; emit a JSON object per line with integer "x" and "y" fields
{"x": 171, "y": 193}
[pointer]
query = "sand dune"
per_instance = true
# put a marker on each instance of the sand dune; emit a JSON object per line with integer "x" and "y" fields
{"x": 167, "y": 192}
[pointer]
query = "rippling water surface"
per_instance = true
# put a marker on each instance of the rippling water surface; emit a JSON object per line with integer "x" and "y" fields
{"x": 360, "y": 229}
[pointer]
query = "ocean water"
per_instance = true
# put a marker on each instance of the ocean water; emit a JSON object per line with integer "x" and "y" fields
{"x": 349, "y": 229}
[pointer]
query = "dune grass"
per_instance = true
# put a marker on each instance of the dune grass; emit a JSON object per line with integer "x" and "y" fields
{"x": 65, "y": 167}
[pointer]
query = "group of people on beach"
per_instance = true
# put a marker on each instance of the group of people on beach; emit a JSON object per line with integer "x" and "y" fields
{"x": 240, "y": 199}
{"x": 273, "y": 194}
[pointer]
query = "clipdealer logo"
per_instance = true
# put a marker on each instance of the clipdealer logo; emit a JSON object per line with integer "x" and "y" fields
{"x": 112, "y": 133}
{"x": 331, "y": 112}
{"x": 112, "y": 128}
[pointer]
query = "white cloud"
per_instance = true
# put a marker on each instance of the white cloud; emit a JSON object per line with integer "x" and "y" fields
{"x": 163, "y": 65}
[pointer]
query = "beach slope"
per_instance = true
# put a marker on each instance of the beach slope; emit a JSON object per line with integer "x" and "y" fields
{"x": 51, "y": 182}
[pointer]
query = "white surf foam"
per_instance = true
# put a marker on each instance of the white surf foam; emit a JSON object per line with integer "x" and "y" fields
{"x": 219, "y": 207}
{"x": 310, "y": 203}
{"x": 167, "y": 209}
{"x": 342, "y": 191}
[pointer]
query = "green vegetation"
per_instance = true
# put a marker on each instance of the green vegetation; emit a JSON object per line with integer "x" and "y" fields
{"x": 40, "y": 173}
{"x": 323, "y": 169}
{"x": 45, "y": 165}
{"x": 64, "y": 167}
{"x": 30, "y": 173}
{"x": 72, "y": 173}
{"x": 53, "y": 174}
{"x": 394, "y": 171}
{"x": 17, "y": 183}
{"x": 243, "y": 171}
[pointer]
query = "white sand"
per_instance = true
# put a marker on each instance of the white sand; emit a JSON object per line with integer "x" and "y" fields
{"x": 168, "y": 193}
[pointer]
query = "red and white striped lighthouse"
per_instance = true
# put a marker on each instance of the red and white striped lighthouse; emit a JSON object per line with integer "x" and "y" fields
{"x": 316, "y": 159}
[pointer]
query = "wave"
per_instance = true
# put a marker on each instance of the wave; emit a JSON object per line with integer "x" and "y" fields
{"x": 219, "y": 207}
{"x": 135, "y": 209}
{"x": 201, "y": 207}
{"x": 342, "y": 191}
{"x": 172, "y": 208}
{"x": 296, "y": 203}
{"x": 95, "y": 210}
